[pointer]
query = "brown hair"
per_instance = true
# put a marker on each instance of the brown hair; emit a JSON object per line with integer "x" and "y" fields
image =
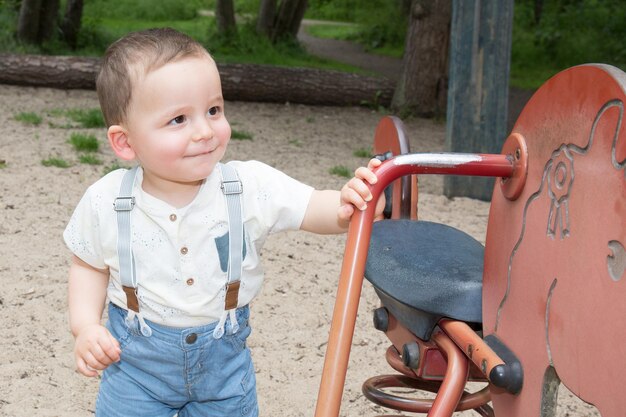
{"x": 133, "y": 56}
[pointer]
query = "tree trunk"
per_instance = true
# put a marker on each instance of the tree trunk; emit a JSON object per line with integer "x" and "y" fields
{"x": 289, "y": 18}
{"x": 28, "y": 21}
{"x": 71, "y": 22}
{"x": 225, "y": 16}
{"x": 48, "y": 20}
{"x": 239, "y": 81}
{"x": 422, "y": 87}
{"x": 265, "y": 20}
{"x": 538, "y": 9}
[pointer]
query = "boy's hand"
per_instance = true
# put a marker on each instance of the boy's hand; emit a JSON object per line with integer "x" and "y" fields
{"x": 356, "y": 193}
{"x": 95, "y": 349}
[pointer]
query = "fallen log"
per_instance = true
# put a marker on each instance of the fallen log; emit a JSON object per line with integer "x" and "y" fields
{"x": 245, "y": 82}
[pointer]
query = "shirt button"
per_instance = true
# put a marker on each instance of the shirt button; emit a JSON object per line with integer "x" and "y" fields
{"x": 190, "y": 281}
{"x": 184, "y": 250}
{"x": 191, "y": 338}
{"x": 173, "y": 217}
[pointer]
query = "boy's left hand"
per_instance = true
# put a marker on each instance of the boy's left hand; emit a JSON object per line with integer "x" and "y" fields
{"x": 356, "y": 192}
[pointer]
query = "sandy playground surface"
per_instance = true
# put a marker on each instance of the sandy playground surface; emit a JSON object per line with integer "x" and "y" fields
{"x": 290, "y": 319}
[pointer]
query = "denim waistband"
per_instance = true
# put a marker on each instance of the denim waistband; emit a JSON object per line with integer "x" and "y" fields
{"x": 181, "y": 336}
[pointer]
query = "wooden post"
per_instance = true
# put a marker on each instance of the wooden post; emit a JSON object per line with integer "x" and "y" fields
{"x": 480, "y": 51}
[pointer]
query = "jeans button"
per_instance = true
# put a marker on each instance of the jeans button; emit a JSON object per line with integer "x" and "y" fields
{"x": 191, "y": 338}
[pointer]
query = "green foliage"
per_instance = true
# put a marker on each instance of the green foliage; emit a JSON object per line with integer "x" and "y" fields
{"x": 338, "y": 10}
{"x": 362, "y": 153}
{"x": 89, "y": 159}
{"x": 84, "y": 143}
{"x": 87, "y": 118}
{"x": 381, "y": 24}
{"x": 347, "y": 32}
{"x": 3, "y": 164}
{"x": 159, "y": 11}
{"x": 240, "y": 135}
{"x": 340, "y": 171}
{"x": 55, "y": 162}
{"x": 248, "y": 47}
{"x": 384, "y": 24}
{"x": 28, "y": 118}
{"x": 570, "y": 32}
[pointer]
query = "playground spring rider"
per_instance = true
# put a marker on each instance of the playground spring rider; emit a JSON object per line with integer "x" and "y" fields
{"x": 545, "y": 304}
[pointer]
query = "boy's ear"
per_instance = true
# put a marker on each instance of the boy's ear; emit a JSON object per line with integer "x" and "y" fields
{"x": 118, "y": 139}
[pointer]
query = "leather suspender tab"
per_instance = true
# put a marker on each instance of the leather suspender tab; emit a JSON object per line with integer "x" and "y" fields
{"x": 131, "y": 298}
{"x": 232, "y": 295}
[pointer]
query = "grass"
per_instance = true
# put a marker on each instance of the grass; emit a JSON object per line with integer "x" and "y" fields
{"x": 240, "y": 135}
{"x": 346, "y": 32}
{"x": 82, "y": 118}
{"x": 362, "y": 153}
{"x": 28, "y": 118}
{"x": 340, "y": 171}
{"x": 3, "y": 164}
{"x": 86, "y": 118}
{"x": 89, "y": 159}
{"x": 84, "y": 143}
{"x": 55, "y": 162}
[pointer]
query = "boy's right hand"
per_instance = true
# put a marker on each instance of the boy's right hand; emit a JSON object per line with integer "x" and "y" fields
{"x": 95, "y": 349}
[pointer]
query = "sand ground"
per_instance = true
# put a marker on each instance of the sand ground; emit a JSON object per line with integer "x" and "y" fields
{"x": 290, "y": 319}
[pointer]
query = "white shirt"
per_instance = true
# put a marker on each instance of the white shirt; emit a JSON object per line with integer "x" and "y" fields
{"x": 180, "y": 271}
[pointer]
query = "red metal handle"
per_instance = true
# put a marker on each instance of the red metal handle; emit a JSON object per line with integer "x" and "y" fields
{"x": 355, "y": 255}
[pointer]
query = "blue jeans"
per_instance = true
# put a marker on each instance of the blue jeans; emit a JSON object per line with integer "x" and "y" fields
{"x": 178, "y": 370}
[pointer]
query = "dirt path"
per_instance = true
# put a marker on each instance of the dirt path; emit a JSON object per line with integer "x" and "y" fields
{"x": 349, "y": 53}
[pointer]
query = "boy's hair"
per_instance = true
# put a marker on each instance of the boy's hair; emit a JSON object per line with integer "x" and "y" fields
{"x": 133, "y": 56}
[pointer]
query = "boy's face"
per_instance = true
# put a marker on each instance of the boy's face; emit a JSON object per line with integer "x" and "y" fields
{"x": 175, "y": 121}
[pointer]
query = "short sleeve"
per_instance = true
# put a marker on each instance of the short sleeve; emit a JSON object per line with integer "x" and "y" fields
{"x": 281, "y": 199}
{"x": 82, "y": 234}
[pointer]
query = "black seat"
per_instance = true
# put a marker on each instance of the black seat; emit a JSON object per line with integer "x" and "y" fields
{"x": 424, "y": 271}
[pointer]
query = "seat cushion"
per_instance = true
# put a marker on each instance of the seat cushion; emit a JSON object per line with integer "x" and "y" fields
{"x": 426, "y": 266}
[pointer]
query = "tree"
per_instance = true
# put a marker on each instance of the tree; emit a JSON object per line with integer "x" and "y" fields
{"x": 71, "y": 22}
{"x": 288, "y": 19}
{"x": 48, "y": 19}
{"x": 28, "y": 21}
{"x": 267, "y": 11}
{"x": 38, "y": 21}
{"x": 225, "y": 17}
{"x": 422, "y": 87}
{"x": 280, "y": 21}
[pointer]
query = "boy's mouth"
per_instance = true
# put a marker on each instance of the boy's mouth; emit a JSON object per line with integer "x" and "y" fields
{"x": 208, "y": 151}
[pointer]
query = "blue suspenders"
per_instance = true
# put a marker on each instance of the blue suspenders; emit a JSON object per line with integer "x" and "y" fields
{"x": 123, "y": 206}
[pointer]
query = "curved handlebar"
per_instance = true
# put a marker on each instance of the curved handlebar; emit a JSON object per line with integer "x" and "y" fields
{"x": 355, "y": 255}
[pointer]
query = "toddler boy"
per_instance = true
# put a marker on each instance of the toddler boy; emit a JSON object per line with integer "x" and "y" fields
{"x": 174, "y": 244}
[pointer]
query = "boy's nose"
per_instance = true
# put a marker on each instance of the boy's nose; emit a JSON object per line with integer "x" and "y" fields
{"x": 203, "y": 131}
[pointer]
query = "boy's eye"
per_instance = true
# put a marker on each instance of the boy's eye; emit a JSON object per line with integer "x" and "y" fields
{"x": 213, "y": 111}
{"x": 177, "y": 120}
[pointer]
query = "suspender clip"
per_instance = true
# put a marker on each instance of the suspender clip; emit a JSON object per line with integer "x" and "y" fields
{"x": 124, "y": 203}
{"x": 232, "y": 187}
